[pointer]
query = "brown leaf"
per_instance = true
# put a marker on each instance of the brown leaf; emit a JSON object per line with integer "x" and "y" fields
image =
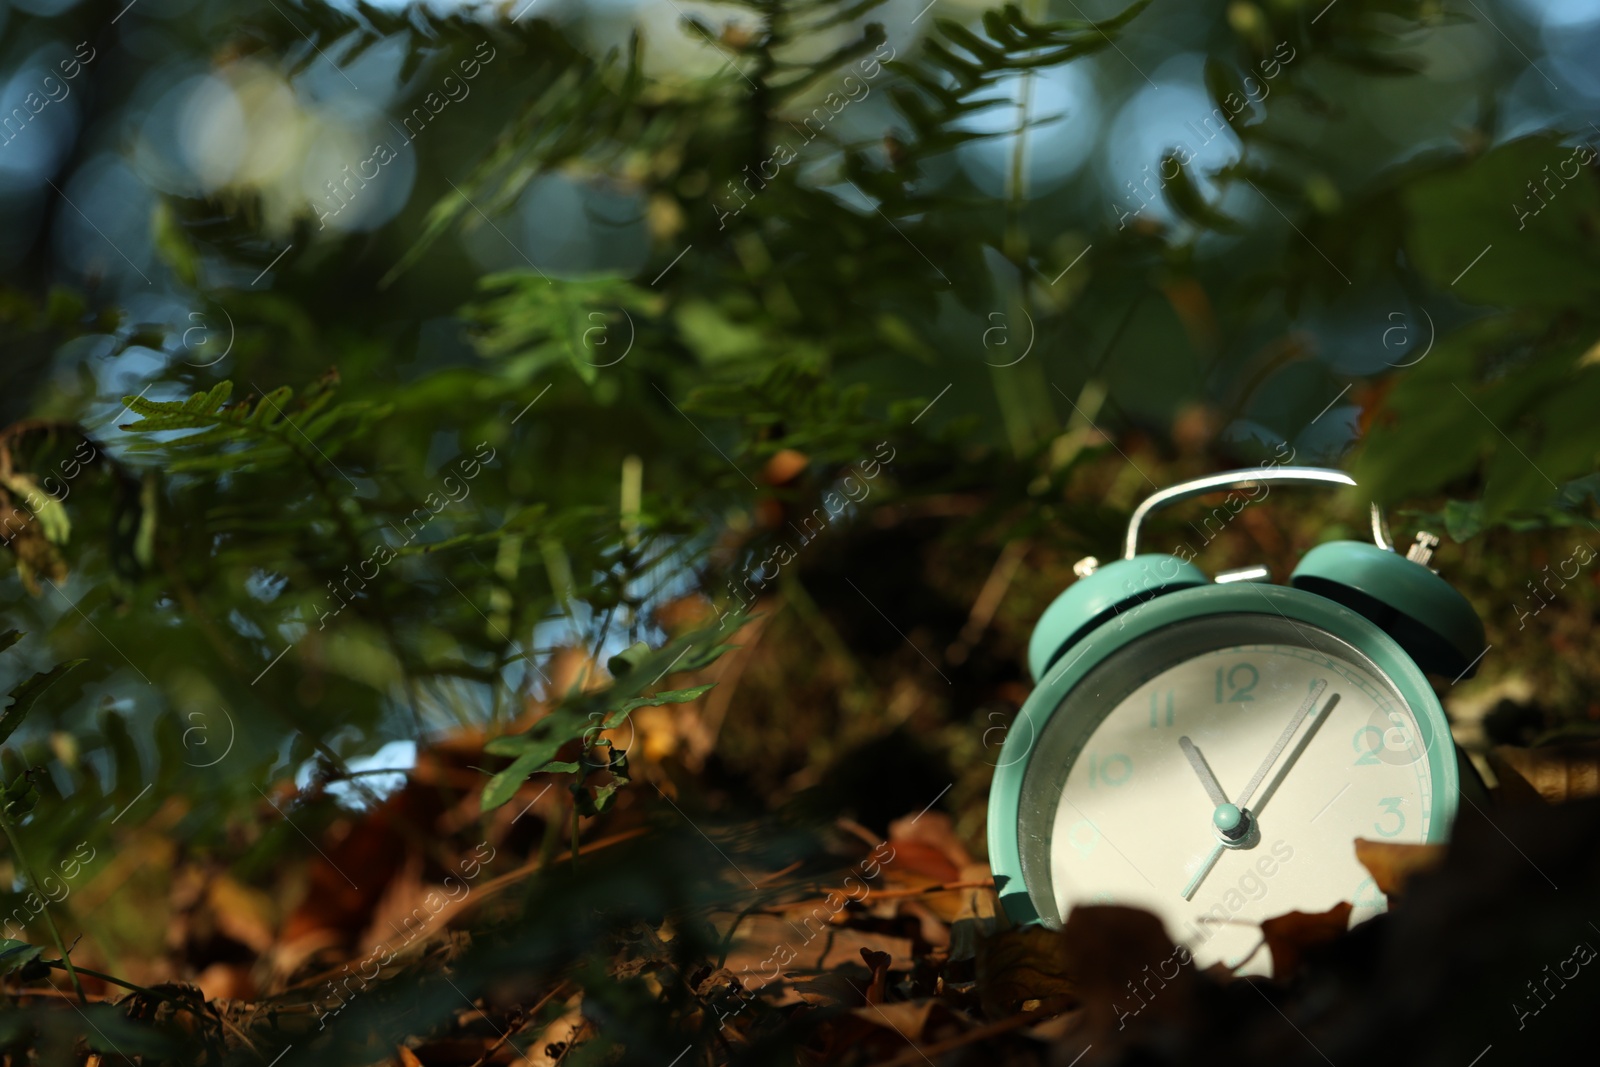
{"x": 350, "y": 875}
{"x": 916, "y": 862}
{"x": 555, "y": 1041}
{"x": 1289, "y": 936}
{"x": 1555, "y": 773}
{"x": 226, "y": 981}
{"x": 862, "y": 1035}
{"x": 878, "y": 964}
{"x": 934, "y": 832}
{"x": 1121, "y": 964}
{"x": 978, "y": 915}
{"x": 834, "y": 989}
{"x": 771, "y": 948}
{"x": 242, "y": 913}
{"x": 931, "y": 926}
{"x": 411, "y": 913}
{"x": 845, "y": 944}
{"x": 1024, "y": 964}
{"x": 908, "y": 1018}
{"x": 685, "y": 613}
{"x": 570, "y": 668}
{"x": 1392, "y": 864}
{"x": 35, "y": 554}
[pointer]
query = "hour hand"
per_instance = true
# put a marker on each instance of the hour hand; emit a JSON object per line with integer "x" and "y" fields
{"x": 1213, "y": 788}
{"x": 1227, "y": 818}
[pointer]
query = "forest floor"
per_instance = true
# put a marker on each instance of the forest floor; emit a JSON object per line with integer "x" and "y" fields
{"x": 796, "y": 870}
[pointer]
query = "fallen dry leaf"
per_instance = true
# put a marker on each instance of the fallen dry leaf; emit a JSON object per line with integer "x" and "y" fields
{"x": 1121, "y": 964}
{"x": 771, "y": 948}
{"x": 908, "y": 1018}
{"x": 1028, "y": 963}
{"x": 878, "y": 964}
{"x": 835, "y": 989}
{"x": 932, "y": 830}
{"x": 242, "y": 913}
{"x": 226, "y": 981}
{"x": 977, "y": 916}
{"x": 1392, "y": 864}
{"x": 556, "y": 1040}
{"x": 1291, "y": 935}
{"x": 1556, "y": 773}
{"x": 919, "y": 861}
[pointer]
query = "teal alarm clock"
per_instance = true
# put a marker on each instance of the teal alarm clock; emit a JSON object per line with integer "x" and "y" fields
{"x": 1208, "y": 748}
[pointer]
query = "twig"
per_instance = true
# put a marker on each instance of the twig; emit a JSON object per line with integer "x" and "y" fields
{"x": 988, "y": 600}
{"x": 530, "y": 1013}
{"x": 887, "y": 894}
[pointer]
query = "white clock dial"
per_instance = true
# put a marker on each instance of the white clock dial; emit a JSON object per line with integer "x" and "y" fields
{"x": 1135, "y": 823}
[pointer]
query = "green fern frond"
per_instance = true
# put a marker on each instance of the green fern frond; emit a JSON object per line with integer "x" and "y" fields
{"x": 247, "y": 436}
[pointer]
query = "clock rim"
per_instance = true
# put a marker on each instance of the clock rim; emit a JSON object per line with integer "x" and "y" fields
{"x": 1005, "y": 792}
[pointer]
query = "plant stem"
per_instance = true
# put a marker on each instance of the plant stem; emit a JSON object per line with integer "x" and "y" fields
{"x": 64, "y": 964}
{"x": 44, "y": 908}
{"x": 574, "y": 834}
{"x": 1019, "y": 390}
{"x": 552, "y": 838}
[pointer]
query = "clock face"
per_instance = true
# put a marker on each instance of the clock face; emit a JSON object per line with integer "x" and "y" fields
{"x": 1215, "y": 772}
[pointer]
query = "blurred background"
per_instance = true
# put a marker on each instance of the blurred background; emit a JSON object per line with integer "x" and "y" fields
{"x": 384, "y": 380}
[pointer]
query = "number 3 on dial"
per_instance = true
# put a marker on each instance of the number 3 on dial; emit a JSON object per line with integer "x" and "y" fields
{"x": 1390, "y": 806}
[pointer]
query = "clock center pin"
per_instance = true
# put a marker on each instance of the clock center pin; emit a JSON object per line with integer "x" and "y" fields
{"x": 1229, "y": 819}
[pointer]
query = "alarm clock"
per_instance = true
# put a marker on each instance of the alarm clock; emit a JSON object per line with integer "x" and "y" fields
{"x": 1208, "y": 749}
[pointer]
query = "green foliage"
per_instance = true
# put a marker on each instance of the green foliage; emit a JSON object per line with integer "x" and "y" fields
{"x": 272, "y": 432}
{"x": 946, "y": 85}
{"x": 537, "y": 324}
{"x": 15, "y": 955}
{"x": 19, "y": 797}
{"x": 1515, "y": 198}
{"x": 577, "y": 722}
{"x": 578, "y": 111}
{"x": 24, "y": 694}
{"x": 1512, "y": 393}
{"x": 315, "y": 516}
{"x": 514, "y": 463}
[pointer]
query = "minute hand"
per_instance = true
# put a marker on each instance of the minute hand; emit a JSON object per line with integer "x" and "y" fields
{"x": 1283, "y": 742}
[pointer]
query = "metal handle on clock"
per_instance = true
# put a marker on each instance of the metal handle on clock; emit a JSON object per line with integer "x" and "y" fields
{"x": 1239, "y": 479}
